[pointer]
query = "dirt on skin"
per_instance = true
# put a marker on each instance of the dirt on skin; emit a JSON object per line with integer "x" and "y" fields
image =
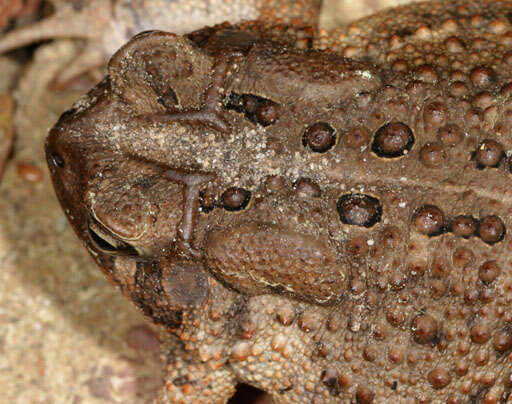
{"x": 66, "y": 335}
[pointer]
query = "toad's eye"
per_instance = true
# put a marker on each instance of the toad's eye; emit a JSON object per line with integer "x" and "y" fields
{"x": 107, "y": 243}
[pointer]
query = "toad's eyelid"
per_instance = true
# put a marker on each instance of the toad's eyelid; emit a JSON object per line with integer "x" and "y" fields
{"x": 107, "y": 243}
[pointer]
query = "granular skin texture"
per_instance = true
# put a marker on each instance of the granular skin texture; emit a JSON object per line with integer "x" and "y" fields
{"x": 367, "y": 260}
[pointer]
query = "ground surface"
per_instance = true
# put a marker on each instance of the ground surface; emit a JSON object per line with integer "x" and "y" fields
{"x": 66, "y": 335}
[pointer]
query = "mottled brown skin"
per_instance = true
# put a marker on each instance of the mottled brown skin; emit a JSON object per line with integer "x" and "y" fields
{"x": 376, "y": 270}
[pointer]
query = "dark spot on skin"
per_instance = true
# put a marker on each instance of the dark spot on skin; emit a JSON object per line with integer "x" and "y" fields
{"x": 491, "y": 229}
{"x": 440, "y": 268}
{"x": 463, "y": 256}
{"x": 319, "y": 137}
{"x": 395, "y": 316}
{"x": 234, "y": 199}
{"x": 488, "y": 154}
{"x": 464, "y": 226}
{"x": 56, "y": 159}
{"x": 359, "y": 210}
{"x": 393, "y": 140}
{"x": 471, "y": 295}
{"x": 429, "y": 220}
{"x": 357, "y": 246}
{"x": 394, "y": 386}
{"x": 274, "y": 145}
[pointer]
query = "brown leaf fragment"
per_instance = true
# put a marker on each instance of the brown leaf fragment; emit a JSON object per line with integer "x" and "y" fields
{"x": 11, "y": 9}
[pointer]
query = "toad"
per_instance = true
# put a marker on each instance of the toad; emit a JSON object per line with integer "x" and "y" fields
{"x": 324, "y": 217}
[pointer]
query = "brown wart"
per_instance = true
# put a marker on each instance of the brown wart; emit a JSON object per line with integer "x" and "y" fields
{"x": 488, "y": 154}
{"x": 429, "y": 220}
{"x": 234, "y": 199}
{"x": 393, "y": 140}
{"x": 319, "y": 137}
{"x": 359, "y": 210}
{"x": 491, "y": 229}
{"x": 464, "y": 226}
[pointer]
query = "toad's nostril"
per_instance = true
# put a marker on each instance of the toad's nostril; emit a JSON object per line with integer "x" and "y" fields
{"x": 56, "y": 159}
